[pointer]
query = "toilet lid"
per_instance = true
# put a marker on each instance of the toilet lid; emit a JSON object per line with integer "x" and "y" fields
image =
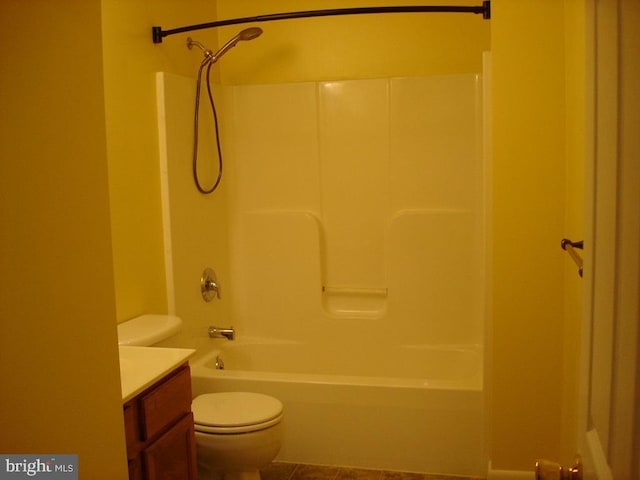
{"x": 235, "y": 412}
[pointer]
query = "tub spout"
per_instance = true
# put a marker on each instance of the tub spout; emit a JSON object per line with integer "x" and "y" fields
{"x": 217, "y": 332}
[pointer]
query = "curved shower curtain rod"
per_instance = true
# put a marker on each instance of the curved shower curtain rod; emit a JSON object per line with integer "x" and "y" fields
{"x": 158, "y": 34}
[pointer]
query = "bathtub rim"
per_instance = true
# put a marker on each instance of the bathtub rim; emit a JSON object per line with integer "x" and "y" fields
{"x": 200, "y": 361}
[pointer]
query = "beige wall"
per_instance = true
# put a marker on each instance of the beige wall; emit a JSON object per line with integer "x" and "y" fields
{"x": 58, "y": 355}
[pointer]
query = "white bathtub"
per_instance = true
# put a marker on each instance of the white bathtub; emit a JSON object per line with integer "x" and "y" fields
{"x": 418, "y": 410}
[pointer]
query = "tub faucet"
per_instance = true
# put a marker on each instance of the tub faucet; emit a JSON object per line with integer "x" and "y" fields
{"x": 217, "y": 332}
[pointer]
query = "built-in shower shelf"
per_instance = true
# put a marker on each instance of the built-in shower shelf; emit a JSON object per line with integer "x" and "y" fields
{"x": 354, "y": 302}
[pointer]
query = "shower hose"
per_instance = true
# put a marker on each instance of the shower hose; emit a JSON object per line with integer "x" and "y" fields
{"x": 208, "y": 63}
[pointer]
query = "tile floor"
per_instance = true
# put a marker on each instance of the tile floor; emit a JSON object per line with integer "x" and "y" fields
{"x": 293, "y": 471}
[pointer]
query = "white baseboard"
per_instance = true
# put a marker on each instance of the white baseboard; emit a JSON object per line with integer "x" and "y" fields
{"x": 509, "y": 474}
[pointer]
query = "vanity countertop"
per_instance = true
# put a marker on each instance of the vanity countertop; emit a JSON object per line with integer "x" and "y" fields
{"x": 141, "y": 367}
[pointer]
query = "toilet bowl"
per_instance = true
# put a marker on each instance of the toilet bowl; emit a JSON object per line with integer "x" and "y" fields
{"x": 237, "y": 434}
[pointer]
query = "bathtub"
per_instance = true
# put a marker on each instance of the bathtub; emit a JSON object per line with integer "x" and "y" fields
{"x": 419, "y": 409}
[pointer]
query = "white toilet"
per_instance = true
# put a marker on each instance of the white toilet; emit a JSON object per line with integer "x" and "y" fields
{"x": 237, "y": 434}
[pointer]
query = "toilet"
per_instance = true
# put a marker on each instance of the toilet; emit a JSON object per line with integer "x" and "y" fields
{"x": 237, "y": 434}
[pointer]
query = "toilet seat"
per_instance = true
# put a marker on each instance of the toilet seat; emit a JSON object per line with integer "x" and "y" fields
{"x": 235, "y": 412}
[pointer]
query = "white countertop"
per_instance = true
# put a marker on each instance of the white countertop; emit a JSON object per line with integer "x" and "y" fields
{"x": 141, "y": 367}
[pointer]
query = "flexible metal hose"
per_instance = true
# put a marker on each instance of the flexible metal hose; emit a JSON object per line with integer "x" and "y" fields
{"x": 208, "y": 63}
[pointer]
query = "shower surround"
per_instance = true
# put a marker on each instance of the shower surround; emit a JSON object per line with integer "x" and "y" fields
{"x": 351, "y": 219}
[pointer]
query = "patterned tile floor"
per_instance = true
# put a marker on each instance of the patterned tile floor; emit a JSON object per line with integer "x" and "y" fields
{"x": 293, "y": 471}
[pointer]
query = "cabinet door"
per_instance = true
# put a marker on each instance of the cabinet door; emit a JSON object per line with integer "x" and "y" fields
{"x": 135, "y": 469}
{"x": 173, "y": 455}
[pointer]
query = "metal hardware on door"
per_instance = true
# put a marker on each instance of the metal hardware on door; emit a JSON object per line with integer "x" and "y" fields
{"x": 209, "y": 285}
{"x": 548, "y": 470}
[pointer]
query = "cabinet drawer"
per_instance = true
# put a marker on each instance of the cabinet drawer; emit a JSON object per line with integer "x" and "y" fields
{"x": 166, "y": 403}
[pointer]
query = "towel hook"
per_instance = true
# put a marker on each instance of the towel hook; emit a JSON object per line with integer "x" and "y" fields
{"x": 569, "y": 246}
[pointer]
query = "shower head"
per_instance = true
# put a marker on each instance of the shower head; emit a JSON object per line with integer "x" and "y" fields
{"x": 246, "y": 34}
{"x": 250, "y": 33}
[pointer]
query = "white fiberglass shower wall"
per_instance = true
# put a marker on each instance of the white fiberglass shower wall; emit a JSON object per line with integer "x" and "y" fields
{"x": 357, "y": 211}
{"x": 352, "y": 212}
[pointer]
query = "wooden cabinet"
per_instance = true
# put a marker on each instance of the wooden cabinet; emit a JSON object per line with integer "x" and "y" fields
{"x": 159, "y": 430}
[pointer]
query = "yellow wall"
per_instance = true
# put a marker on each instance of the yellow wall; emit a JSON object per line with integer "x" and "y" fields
{"x": 528, "y": 213}
{"x": 130, "y": 63}
{"x": 350, "y": 47}
{"x": 58, "y": 354}
{"x": 538, "y": 88}
{"x": 575, "y": 71}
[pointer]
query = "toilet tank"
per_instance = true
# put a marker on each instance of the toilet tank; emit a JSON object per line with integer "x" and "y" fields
{"x": 147, "y": 330}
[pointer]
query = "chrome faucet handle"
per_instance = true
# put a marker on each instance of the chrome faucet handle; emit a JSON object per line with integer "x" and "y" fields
{"x": 209, "y": 285}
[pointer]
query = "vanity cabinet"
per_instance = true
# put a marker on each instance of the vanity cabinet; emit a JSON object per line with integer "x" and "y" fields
{"x": 159, "y": 430}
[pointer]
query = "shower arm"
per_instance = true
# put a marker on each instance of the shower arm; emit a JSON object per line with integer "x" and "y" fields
{"x": 485, "y": 9}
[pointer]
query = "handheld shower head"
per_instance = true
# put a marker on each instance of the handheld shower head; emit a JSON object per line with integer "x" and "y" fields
{"x": 250, "y": 33}
{"x": 246, "y": 34}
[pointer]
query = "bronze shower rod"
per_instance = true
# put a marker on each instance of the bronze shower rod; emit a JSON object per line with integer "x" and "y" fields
{"x": 485, "y": 9}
